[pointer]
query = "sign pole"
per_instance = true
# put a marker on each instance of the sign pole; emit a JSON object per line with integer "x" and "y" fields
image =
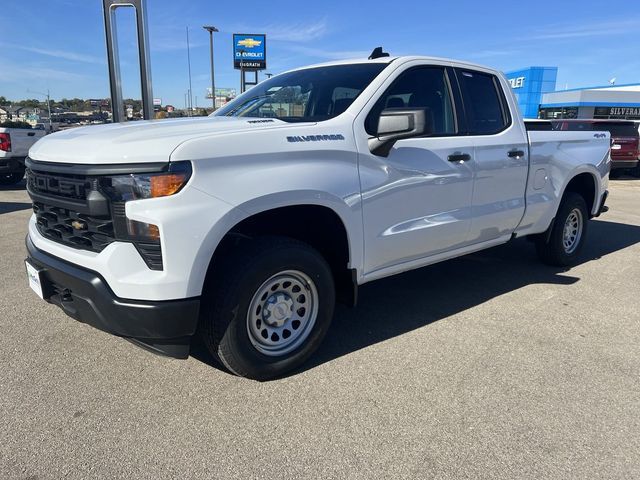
{"x": 115, "y": 80}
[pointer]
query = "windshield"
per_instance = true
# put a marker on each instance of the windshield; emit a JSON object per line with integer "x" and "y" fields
{"x": 309, "y": 95}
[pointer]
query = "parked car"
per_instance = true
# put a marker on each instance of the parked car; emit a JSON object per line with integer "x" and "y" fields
{"x": 14, "y": 146}
{"x": 625, "y": 148}
{"x": 245, "y": 228}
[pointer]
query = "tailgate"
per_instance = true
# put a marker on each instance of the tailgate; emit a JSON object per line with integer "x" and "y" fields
{"x": 21, "y": 140}
{"x": 626, "y": 147}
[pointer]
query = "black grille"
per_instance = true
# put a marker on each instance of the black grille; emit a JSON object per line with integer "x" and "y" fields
{"x": 66, "y": 186}
{"x": 73, "y": 210}
{"x": 72, "y": 228}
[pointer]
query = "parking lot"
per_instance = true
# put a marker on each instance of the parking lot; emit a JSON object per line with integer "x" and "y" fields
{"x": 488, "y": 366}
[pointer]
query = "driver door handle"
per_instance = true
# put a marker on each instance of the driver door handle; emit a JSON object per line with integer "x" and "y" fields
{"x": 515, "y": 154}
{"x": 459, "y": 157}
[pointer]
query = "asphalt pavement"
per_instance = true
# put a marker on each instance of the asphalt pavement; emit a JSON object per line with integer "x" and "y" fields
{"x": 487, "y": 366}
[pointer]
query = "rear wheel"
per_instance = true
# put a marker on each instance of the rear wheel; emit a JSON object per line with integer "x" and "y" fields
{"x": 568, "y": 232}
{"x": 268, "y": 307}
{"x": 11, "y": 178}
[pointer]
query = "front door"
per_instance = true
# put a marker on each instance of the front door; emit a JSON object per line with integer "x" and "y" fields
{"x": 416, "y": 201}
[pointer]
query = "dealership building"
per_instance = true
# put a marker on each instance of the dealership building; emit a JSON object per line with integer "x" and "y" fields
{"x": 535, "y": 90}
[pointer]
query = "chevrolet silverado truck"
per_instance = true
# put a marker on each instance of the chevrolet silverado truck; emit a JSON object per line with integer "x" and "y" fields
{"x": 14, "y": 146}
{"x": 244, "y": 228}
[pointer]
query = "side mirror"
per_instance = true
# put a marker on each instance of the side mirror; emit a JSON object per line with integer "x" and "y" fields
{"x": 397, "y": 123}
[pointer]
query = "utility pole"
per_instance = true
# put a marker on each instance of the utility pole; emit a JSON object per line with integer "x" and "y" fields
{"x": 189, "y": 63}
{"x": 48, "y": 105}
{"x": 211, "y": 29}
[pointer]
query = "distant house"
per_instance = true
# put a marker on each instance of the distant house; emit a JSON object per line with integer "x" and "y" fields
{"x": 10, "y": 113}
{"x": 22, "y": 114}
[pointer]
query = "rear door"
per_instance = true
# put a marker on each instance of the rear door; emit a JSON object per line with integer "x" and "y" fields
{"x": 501, "y": 155}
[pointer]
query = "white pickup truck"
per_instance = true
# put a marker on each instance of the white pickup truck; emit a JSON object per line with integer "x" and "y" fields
{"x": 245, "y": 227}
{"x": 14, "y": 146}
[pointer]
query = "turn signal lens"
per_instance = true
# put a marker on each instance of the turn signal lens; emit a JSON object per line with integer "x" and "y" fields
{"x": 168, "y": 184}
{"x": 143, "y": 231}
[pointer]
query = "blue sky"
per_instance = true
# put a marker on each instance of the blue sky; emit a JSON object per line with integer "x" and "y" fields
{"x": 59, "y": 44}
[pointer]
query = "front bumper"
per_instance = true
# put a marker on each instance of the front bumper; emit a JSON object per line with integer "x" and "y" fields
{"x": 162, "y": 326}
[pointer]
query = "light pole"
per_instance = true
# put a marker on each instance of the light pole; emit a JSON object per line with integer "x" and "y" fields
{"x": 211, "y": 29}
{"x": 48, "y": 105}
{"x": 189, "y": 63}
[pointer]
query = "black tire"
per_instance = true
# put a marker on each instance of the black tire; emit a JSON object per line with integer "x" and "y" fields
{"x": 635, "y": 172}
{"x": 224, "y": 322}
{"x": 11, "y": 178}
{"x": 553, "y": 251}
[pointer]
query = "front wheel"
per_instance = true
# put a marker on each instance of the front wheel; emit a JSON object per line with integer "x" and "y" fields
{"x": 568, "y": 232}
{"x": 268, "y": 307}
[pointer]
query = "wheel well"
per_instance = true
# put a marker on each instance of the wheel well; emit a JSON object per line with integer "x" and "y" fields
{"x": 315, "y": 225}
{"x": 584, "y": 184}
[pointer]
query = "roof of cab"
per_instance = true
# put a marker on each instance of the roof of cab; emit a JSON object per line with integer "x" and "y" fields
{"x": 402, "y": 59}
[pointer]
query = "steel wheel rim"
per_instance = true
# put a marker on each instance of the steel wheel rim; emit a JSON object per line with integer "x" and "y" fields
{"x": 572, "y": 232}
{"x": 282, "y": 313}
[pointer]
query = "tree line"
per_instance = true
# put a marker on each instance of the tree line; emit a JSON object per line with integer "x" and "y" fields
{"x": 71, "y": 104}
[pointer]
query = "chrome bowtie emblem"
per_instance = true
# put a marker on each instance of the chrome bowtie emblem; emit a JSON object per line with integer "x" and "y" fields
{"x": 79, "y": 225}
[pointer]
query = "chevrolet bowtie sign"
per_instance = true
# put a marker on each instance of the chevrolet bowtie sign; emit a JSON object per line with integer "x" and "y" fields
{"x": 249, "y": 51}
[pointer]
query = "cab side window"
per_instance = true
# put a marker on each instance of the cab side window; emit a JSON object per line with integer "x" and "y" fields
{"x": 420, "y": 87}
{"x": 485, "y": 110}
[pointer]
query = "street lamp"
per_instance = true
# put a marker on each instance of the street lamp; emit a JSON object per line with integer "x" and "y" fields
{"x": 212, "y": 29}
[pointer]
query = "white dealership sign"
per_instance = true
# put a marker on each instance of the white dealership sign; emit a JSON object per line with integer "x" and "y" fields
{"x": 517, "y": 82}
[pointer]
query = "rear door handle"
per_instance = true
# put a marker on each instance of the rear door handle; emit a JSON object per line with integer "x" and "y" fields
{"x": 515, "y": 154}
{"x": 459, "y": 157}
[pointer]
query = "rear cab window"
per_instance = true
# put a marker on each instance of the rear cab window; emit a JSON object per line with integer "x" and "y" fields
{"x": 485, "y": 107}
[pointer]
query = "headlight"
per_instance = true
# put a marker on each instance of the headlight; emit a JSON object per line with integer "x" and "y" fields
{"x": 138, "y": 186}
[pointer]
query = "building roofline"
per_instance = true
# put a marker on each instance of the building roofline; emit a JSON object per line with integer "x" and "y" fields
{"x": 603, "y": 87}
{"x": 529, "y": 68}
{"x": 590, "y": 104}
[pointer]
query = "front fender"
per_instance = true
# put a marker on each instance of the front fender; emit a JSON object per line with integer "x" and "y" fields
{"x": 348, "y": 214}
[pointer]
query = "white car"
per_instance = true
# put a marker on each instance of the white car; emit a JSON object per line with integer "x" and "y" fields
{"x": 245, "y": 227}
{"x": 14, "y": 146}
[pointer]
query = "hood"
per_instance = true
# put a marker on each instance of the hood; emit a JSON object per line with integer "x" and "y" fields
{"x": 138, "y": 142}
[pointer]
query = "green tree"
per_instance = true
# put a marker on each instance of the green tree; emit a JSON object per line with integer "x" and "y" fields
{"x": 12, "y": 124}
